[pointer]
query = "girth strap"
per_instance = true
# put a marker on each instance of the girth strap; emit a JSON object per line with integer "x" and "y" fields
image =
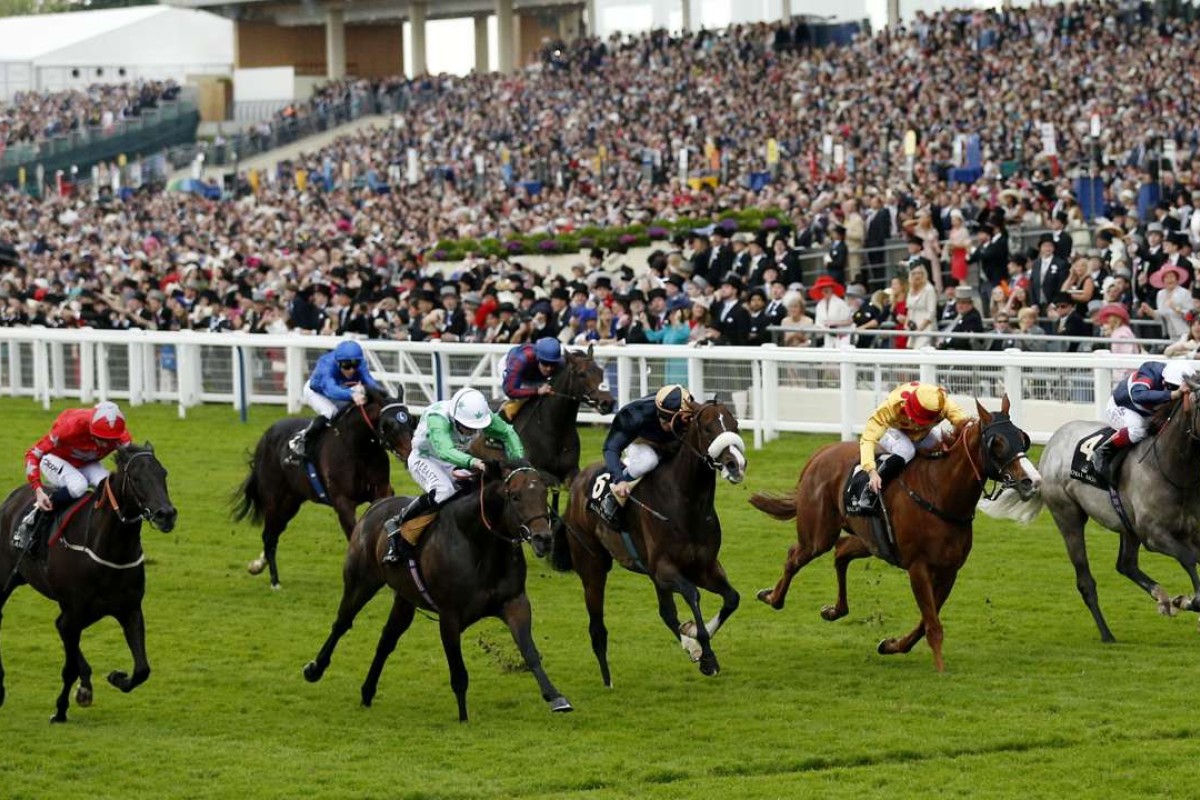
{"x": 931, "y": 508}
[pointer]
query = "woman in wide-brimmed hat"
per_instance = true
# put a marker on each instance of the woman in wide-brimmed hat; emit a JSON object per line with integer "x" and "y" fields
{"x": 1172, "y": 302}
{"x": 832, "y": 310}
{"x": 1113, "y": 320}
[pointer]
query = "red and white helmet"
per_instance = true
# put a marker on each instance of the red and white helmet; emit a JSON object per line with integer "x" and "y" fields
{"x": 107, "y": 421}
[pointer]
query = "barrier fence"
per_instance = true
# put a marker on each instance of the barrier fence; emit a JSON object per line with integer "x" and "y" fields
{"x": 771, "y": 389}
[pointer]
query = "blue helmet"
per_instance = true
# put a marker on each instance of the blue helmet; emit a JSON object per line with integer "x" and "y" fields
{"x": 548, "y": 350}
{"x": 348, "y": 351}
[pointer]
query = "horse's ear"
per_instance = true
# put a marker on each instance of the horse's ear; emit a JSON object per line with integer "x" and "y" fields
{"x": 591, "y": 347}
{"x": 985, "y": 416}
{"x": 716, "y": 398}
{"x": 149, "y": 445}
{"x": 1004, "y": 404}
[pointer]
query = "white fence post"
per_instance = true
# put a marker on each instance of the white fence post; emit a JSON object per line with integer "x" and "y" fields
{"x": 14, "y": 367}
{"x": 929, "y": 374}
{"x": 1101, "y": 383}
{"x": 770, "y": 395}
{"x": 849, "y": 375}
{"x": 102, "y": 377}
{"x": 294, "y": 378}
{"x": 58, "y": 371}
{"x": 87, "y": 369}
{"x": 1012, "y": 387}
{"x": 695, "y": 375}
{"x": 41, "y": 373}
{"x": 137, "y": 377}
{"x": 624, "y": 374}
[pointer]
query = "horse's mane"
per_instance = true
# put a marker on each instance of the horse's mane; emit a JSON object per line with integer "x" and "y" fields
{"x": 1162, "y": 415}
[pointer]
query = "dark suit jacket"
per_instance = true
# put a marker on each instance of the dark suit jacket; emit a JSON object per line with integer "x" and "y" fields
{"x": 877, "y": 235}
{"x": 1063, "y": 246}
{"x": 1043, "y": 287}
{"x": 757, "y": 333}
{"x": 720, "y": 262}
{"x": 837, "y": 261}
{"x": 733, "y": 323}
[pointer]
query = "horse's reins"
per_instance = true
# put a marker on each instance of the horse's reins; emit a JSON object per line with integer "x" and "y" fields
{"x": 1191, "y": 432}
{"x": 376, "y": 436}
{"x": 526, "y": 532}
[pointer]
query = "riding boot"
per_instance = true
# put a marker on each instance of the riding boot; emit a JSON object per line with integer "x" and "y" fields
{"x": 399, "y": 548}
{"x": 888, "y": 468}
{"x": 1106, "y": 451}
{"x": 304, "y": 446}
{"x": 33, "y": 527}
{"x": 612, "y": 511}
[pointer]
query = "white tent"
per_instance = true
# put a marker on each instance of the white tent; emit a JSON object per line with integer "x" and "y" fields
{"x": 49, "y": 52}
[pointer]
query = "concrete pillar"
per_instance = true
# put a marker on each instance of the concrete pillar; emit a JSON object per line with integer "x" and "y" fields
{"x": 335, "y": 44}
{"x": 518, "y": 53}
{"x": 687, "y": 15}
{"x": 481, "y": 43}
{"x": 593, "y": 22}
{"x": 893, "y": 13}
{"x": 504, "y": 31}
{"x": 787, "y": 10}
{"x": 416, "y": 19}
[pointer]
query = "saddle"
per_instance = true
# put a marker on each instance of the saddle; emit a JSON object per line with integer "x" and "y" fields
{"x": 1081, "y": 459}
{"x": 601, "y": 490}
{"x": 50, "y": 529}
{"x": 876, "y": 515}
{"x": 412, "y": 529}
{"x": 510, "y": 408}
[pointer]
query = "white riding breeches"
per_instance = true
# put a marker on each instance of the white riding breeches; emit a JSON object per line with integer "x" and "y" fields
{"x": 896, "y": 443}
{"x": 433, "y": 476}
{"x": 59, "y": 474}
{"x": 1121, "y": 417}
{"x": 640, "y": 459}
{"x": 319, "y": 402}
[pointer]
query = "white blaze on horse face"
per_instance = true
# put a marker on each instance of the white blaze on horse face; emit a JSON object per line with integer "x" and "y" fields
{"x": 732, "y": 442}
{"x": 1031, "y": 471}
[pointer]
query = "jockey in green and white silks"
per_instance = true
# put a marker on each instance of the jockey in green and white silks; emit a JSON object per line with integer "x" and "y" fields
{"x": 439, "y": 455}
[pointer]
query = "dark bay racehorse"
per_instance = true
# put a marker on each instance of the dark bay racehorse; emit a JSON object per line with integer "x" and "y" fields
{"x": 1159, "y": 486}
{"x": 932, "y": 507}
{"x": 546, "y": 423}
{"x": 471, "y": 562}
{"x": 674, "y": 534}
{"x": 97, "y": 568}
{"x": 352, "y": 463}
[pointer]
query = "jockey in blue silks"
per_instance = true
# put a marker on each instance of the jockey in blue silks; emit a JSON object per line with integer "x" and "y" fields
{"x": 1134, "y": 401}
{"x": 528, "y": 369}
{"x": 340, "y": 377}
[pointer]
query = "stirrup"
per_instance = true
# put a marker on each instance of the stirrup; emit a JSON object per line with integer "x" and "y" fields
{"x": 399, "y": 550}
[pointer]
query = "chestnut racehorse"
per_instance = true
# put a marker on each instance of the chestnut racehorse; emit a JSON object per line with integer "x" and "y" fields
{"x": 931, "y": 507}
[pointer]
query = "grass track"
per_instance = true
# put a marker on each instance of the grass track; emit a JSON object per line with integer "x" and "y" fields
{"x": 1032, "y": 705}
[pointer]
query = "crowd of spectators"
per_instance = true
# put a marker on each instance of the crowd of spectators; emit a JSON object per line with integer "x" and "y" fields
{"x": 32, "y": 117}
{"x": 592, "y": 138}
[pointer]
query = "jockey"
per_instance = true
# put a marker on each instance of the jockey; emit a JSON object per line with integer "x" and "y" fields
{"x": 907, "y": 420}
{"x": 66, "y": 461}
{"x": 1134, "y": 401}
{"x": 655, "y": 419}
{"x": 439, "y": 455}
{"x": 339, "y": 377}
{"x": 527, "y": 372}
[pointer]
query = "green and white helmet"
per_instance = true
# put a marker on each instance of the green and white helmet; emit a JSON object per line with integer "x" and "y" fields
{"x": 469, "y": 408}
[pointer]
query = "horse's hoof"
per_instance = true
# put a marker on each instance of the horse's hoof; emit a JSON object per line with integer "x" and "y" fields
{"x": 884, "y": 648}
{"x": 368, "y": 697}
{"x": 830, "y": 613}
{"x": 256, "y": 566}
{"x": 764, "y": 595}
{"x": 119, "y": 680}
{"x": 561, "y": 705}
{"x": 1108, "y": 638}
{"x": 83, "y": 696}
{"x": 691, "y": 647}
{"x": 1, "y": 695}
{"x": 312, "y": 673}
{"x": 58, "y": 718}
{"x": 709, "y": 667}
{"x": 1164, "y": 602}
{"x": 275, "y": 587}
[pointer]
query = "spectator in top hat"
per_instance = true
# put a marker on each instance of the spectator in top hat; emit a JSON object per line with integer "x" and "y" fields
{"x": 730, "y": 322}
{"x": 967, "y": 319}
{"x": 836, "y": 258}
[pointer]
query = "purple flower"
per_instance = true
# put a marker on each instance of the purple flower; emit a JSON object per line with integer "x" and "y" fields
{"x": 658, "y": 234}
{"x": 586, "y": 243}
{"x": 549, "y": 246}
{"x": 514, "y": 247}
{"x": 627, "y": 239}
{"x": 728, "y": 225}
{"x": 441, "y": 255}
{"x": 770, "y": 224}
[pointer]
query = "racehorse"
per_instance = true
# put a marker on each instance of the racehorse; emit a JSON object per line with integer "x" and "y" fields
{"x": 931, "y": 506}
{"x": 470, "y": 567}
{"x": 546, "y": 423}
{"x": 97, "y": 568}
{"x": 1158, "y": 488}
{"x": 673, "y": 534}
{"x": 352, "y": 468}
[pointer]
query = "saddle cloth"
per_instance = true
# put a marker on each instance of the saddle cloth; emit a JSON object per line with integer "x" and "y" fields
{"x": 856, "y": 481}
{"x": 1081, "y": 459}
{"x": 600, "y": 487}
{"x": 58, "y": 521}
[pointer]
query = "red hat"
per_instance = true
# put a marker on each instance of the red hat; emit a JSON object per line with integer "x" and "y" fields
{"x": 107, "y": 421}
{"x": 1113, "y": 310}
{"x": 826, "y": 281}
{"x": 924, "y": 404}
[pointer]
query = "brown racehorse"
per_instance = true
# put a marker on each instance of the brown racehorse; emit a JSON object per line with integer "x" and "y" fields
{"x": 674, "y": 535}
{"x": 352, "y": 463}
{"x": 97, "y": 569}
{"x": 472, "y": 566}
{"x": 931, "y": 506}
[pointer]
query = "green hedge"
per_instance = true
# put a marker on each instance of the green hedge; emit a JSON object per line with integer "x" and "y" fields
{"x": 750, "y": 220}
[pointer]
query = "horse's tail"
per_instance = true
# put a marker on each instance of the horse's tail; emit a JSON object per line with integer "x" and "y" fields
{"x": 247, "y": 499}
{"x": 560, "y": 553}
{"x": 776, "y": 505}
{"x": 1009, "y": 505}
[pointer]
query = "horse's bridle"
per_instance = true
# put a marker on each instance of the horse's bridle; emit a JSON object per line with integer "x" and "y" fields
{"x": 1192, "y": 432}
{"x": 525, "y": 533}
{"x": 1000, "y": 427}
{"x": 707, "y": 457}
{"x": 376, "y": 432}
{"x": 586, "y": 399}
{"x": 127, "y": 491}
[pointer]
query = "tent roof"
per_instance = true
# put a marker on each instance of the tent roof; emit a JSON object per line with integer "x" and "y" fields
{"x": 30, "y": 37}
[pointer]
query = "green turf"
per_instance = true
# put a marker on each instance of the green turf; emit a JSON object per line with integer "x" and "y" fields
{"x": 1031, "y": 704}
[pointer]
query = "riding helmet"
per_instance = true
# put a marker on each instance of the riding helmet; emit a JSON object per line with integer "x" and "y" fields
{"x": 671, "y": 399}
{"x": 469, "y": 408}
{"x": 548, "y": 350}
{"x": 925, "y": 404}
{"x": 348, "y": 350}
{"x": 107, "y": 421}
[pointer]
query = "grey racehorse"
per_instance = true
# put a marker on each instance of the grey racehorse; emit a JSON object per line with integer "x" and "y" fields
{"x": 1159, "y": 488}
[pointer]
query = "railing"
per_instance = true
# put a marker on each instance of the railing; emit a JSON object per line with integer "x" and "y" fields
{"x": 771, "y": 389}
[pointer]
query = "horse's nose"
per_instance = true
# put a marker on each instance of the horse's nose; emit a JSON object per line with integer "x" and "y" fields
{"x": 165, "y": 519}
